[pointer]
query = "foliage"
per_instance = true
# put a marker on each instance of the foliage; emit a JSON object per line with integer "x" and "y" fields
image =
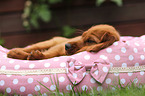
{"x": 117, "y": 2}
{"x": 68, "y": 31}
{"x": 1, "y": 41}
{"x": 39, "y": 10}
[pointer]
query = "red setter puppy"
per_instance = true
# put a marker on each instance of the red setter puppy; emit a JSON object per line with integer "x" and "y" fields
{"x": 92, "y": 40}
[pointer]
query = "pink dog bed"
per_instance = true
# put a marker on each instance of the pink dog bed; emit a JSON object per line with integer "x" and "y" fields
{"x": 124, "y": 60}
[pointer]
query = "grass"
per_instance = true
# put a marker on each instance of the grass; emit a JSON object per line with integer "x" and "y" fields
{"x": 129, "y": 90}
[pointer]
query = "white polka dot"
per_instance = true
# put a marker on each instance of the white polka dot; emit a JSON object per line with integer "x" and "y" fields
{"x": 71, "y": 64}
{"x": 92, "y": 80}
{"x": 63, "y": 64}
{"x": 8, "y": 75}
{"x": 124, "y": 65}
{"x": 117, "y": 57}
{"x": 61, "y": 79}
{"x": 87, "y": 57}
{"x": 103, "y": 57}
{"x": 99, "y": 88}
{"x": 142, "y": 57}
{"x": 84, "y": 74}
{"x": 68, "y": 87}
{"x": 113, "y": 88}
{"x": 3, "y": 50}
{"x": 37, "y": 88}
{"x": 122, "y": 81}
{"x": 136, "y": 64}
{"x": 127, "y": 42}
{"x": 26, "y": 61}
{"x": 136, "y": 44}
{"x": 129, "y": 73}
{"x": 116, "y": 74}
{"x": 2, "y": 83}
{"x": 22, "y": 89}
{"x": 115, "y": 43}
{"x": 135, "y": 80}
{"x": 84, "y": 87}
{"x": 96, "y": 72}
{"x": 123, "y": 50}
{"x": 142, "y": 73}
{"x": 5, "y": 56}
{"x": 31, "y": 66}
{"x": 135, "y": 50}
{"x": 45, "y": 79}
{"x": 55, "y": 59}
{"x": 15, "y": 81}
{"x": 78, "y": 67}
{"x": 3, "y": 67}
{"x": 44, "y": 94}
{"x": 131, "y": 57}
{"x": 105, "y": 69}
{"x": 8, "y": 90}
{"x": 108, "y": 81}
{"x": 17, "y": 67}
{"x": 144, "y": 49}
{"x": 29, "y": 95}
{"x": 46, "y": 64}
{"x": 52, "y": 87}
{"x": 109, "y": 50}
{"x": 111, "y": 64}
{"x": 30, "y": 80}
{"x": 75, "y": 75}
{"x": 79, "y": 53}
{"x": 11, "y": 61}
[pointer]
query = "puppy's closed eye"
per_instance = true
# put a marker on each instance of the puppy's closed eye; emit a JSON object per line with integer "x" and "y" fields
{"x": 90, "y": 41}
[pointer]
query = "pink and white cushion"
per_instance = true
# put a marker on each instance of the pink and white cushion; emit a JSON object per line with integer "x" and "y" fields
{"x": 124, "y": 60}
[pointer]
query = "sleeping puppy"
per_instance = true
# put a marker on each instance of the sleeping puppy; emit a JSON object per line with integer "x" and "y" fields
{"x": 92, "y": 40}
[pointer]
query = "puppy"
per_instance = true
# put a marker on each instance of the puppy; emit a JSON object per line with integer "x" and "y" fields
{"x": 92, "y": 40}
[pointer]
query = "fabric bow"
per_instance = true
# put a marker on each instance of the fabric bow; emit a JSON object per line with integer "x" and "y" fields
{"x": 77, "y": 71}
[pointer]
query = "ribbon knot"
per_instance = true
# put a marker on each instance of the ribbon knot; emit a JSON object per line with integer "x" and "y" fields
{"x": 77, "y": 71}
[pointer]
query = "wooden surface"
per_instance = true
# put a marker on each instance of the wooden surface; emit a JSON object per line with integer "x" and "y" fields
{"x": 128, "y": 20}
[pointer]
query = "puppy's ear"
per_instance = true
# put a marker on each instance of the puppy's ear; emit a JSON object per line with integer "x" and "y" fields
{"x": 107, "y": 37}
{"x": 106, "y": 40}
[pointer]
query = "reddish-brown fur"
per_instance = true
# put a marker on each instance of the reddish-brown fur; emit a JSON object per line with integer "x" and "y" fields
{"x": 92, "y": 40}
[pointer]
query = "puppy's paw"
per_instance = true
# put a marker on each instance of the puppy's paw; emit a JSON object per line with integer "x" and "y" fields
{"x": 35, "y": 55}
{"x": 17, "y": 53}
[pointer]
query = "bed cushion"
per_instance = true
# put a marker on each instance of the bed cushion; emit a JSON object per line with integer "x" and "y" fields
{"x": 124, "y": 60}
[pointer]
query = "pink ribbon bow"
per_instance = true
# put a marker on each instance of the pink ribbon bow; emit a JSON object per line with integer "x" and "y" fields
{"x": 77, "y": 70}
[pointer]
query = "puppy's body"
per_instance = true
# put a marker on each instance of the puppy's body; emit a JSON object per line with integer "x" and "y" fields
{"x": 94, "y": 39}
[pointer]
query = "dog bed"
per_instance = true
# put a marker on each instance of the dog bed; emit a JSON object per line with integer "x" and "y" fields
{"x": 123, "y": 61}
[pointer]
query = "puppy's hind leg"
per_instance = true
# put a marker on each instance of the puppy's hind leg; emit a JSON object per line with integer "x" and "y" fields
{"x": 46, "y": 44}
{"x": 23, "y": 53}
{"x": 54, "y": 51}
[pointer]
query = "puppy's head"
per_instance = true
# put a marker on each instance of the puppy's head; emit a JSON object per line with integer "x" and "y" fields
{"x": 94, "y": 39}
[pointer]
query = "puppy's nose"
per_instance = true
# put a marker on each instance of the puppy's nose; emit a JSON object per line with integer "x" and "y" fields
{"x": 67, "y": 46}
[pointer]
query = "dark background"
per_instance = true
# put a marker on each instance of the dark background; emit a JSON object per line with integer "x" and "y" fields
{"x": 129, "y": 20}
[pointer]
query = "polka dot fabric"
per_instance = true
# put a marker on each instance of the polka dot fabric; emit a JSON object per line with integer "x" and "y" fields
{"x": 128, "y": 52}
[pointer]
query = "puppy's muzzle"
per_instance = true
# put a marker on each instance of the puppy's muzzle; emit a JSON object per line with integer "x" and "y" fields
{"x": 67, "y": 46}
